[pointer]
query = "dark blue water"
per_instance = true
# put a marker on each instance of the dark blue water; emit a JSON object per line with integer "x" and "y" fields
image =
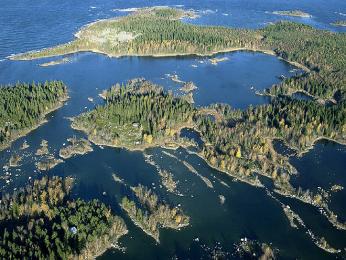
{"x": 247, "y": 211}
{"x": 34, "y": 24}
{"x": 233, "y": 81}
{"x": 323, "y": 167}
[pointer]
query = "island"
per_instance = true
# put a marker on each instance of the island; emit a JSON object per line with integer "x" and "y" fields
{"x": 15, "y": 160}
{"x": 339, "y": 23}
{"x": 133, "y": 117}
{"x": 159, "y": 31}
{"x": 152, "y": 214}
{"x": 46, "y": 160}
{"x": 77, "y": 146}
{"x": 140, "y": 115}
{"x": 55, "y": 62}
{"x": 24, "y": 106}
{"x": 295, "y": 13}
{"x": 41, "y": 221}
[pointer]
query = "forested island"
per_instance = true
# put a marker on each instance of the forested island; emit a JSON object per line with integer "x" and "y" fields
{"x": 140, "y": 115}
{"x": 41, "y": 221}
{"x": 77, "y": 146}
{"x": 339, "y": 23}
{"x": 296, "y": 13}
{"x": 151, "y": 214}
{"x": 23, "y": 107}
{"x": 160, "y": 32}
{"x": 133, "y": 117}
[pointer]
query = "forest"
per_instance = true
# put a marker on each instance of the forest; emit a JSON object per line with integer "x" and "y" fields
{"x": 235, "y": 141}
{"x": 41, "y": 221}
{"x": 238, "y": 142}
{"x": 23, "y": 107}
{"x": 160, "y": 32}
{"x": 150, "y": 214}
{"x": 133, "y": 116}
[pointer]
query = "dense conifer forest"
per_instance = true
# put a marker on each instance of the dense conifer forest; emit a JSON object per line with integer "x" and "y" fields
{"x": 139, "y": 113}
{"x": 240, "y": 142}
{"x": 23, "y": 107}
{"x": 160, "y": 32}
{"x": 41, "y": 221}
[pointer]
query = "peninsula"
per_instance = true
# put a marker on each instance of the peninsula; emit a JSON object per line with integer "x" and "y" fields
{"x": 55, "y": 226}
{"x": 140, "y": 115}
{"x": 160, "y": 32}
{"x": 24, "y": 106}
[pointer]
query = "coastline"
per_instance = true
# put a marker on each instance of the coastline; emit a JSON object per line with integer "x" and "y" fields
{"x": 17, "y": 57}
{"x": 140, "y": 148}
{"x": 42, "y": 121}
{"x": 163, "y": 145}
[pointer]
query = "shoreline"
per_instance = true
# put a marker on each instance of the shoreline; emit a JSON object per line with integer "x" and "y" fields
{"x": 137, "y": 224}
{"x": 16, "y": 57}
{"x": 140, "y": 148}
{"x": 300, "y": 153}
{"x": 42, "y": 121}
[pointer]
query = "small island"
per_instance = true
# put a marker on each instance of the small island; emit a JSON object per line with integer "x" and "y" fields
{"x": 188, "y": 87}
{"x": 77, "y": 146}
{"x": 339, "y": 23}
{"x": 295, "y": 13}
{"x": 252, "y": 249}
{"x": 133, "y": 117}
{"x": 43, "y": 150}
{"x": 46, "y": 160}
{"x": 24, "y": 106}
{"x": 152, "y": 214}
{"x": 55, "y": 226}
{"x": 55, "y": 62}
{"x": 15, "y": 160}
{"x": 215, "y": 61}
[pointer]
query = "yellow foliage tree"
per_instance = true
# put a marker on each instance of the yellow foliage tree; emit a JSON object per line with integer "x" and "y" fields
{"x": 148, "y": 138}
{"x": 238, "y": 153}
{"x": 222, "y": 165}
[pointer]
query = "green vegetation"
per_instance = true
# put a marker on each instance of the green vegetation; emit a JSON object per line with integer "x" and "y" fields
{"x": 236, "y": 142}
{"x": 339, "y": 23}
{"x": 46, "y": 160}
{"x": 15, "y": 160}
{"x": 159, "y": 32}
{"x": 77, "y": 146}
{"x": 152, "y": 214}
{"x": 23, "y": 107}
{"x": 42, "y": 222}
{"x": 296, "y": 13}
{"x": 136, "y": 116}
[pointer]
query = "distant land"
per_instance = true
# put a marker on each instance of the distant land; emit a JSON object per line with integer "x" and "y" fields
{"x": 296, "y": 13}
{"x": 339, "y": 23}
